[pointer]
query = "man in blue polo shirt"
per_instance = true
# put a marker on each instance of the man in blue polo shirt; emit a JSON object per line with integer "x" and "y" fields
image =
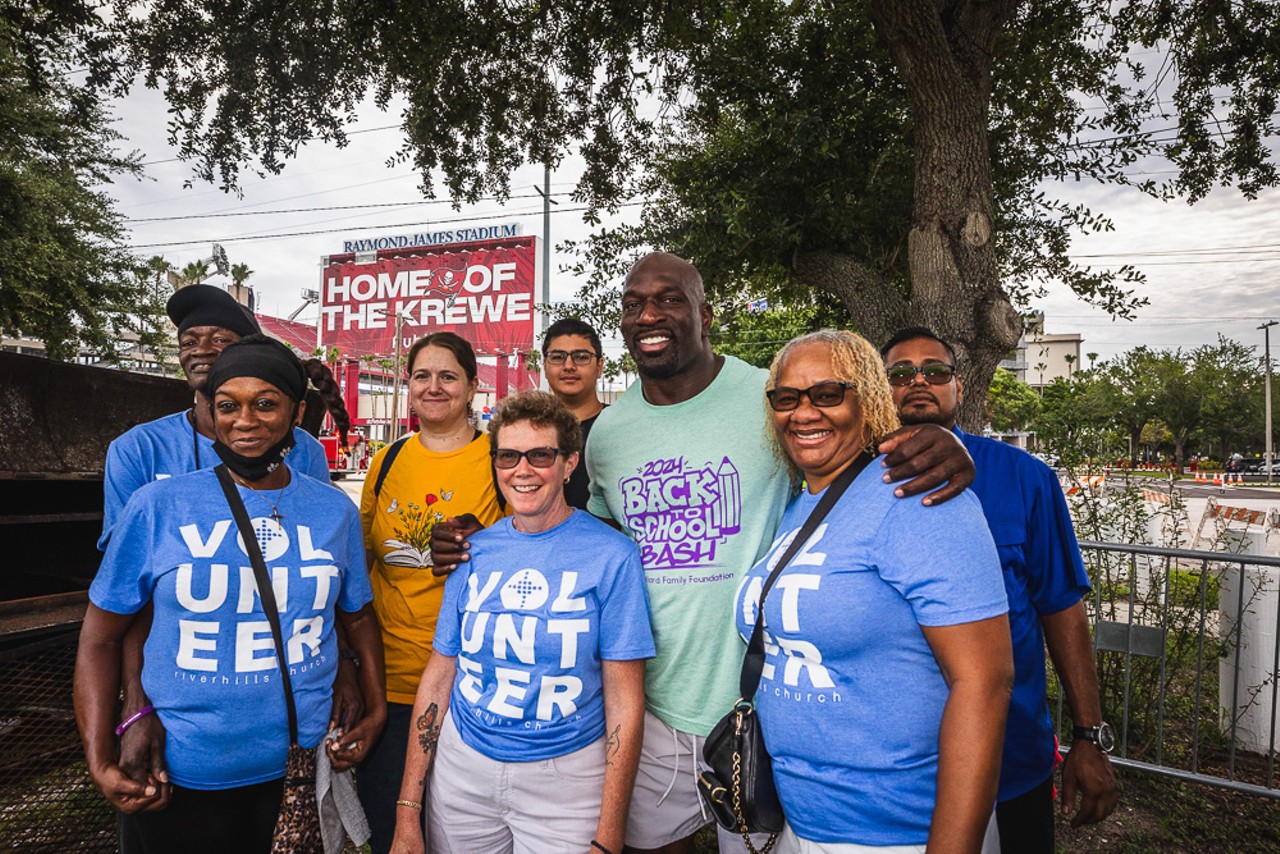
{"x": 1045, "y": 581}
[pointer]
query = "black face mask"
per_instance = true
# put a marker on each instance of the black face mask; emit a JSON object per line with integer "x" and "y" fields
{"x": 255, "y": 468}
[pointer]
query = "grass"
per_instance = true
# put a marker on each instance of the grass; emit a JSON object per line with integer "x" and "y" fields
{"x": 1159, "y": 814}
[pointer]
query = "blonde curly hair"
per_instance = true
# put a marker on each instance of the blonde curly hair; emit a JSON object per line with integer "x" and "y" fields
{"x": 855, "y": 361}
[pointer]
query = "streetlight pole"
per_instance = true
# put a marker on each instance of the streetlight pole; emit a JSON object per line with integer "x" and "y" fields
{"x": 395, "y": 374}
{"x": 1266, "y": 338}
{"x": 547, "y": 202}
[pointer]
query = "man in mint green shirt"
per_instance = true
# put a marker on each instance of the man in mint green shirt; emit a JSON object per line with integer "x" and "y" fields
{"x": 681, "y": 463}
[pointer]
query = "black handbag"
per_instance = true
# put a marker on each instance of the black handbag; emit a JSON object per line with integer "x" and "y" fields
{"x": 738, "y": 788}
{"x": 297, "y": 828}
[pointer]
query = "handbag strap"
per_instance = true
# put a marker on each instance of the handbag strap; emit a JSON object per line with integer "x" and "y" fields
{"x": 266, "y": 592}
{"x": 753, "y": 662}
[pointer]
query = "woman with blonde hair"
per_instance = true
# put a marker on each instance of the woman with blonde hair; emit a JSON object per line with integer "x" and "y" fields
{"x": 888, "y": 663}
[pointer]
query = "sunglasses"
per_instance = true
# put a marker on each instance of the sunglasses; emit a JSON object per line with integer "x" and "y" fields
{"x": 827, "y": 394}
{"x": 580, "y": 357}
{"x": 539, "y": 458}
{"x": 904, "y": 375}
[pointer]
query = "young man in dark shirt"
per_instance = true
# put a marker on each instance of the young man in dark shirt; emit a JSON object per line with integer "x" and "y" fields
{"x": 572, "y": 362}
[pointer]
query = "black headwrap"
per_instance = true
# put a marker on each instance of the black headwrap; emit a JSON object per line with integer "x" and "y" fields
{"x": 270, "y": 361}
{"x": 261, "y": 357}
{"x": 208, "y": 305}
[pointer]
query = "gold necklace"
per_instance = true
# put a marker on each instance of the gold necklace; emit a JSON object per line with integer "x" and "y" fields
{"x": 276, "y": 515}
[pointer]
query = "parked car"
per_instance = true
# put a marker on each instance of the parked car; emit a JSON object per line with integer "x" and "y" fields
{"x": 1250, "y": 465}
{"x": 1051, "y": 460}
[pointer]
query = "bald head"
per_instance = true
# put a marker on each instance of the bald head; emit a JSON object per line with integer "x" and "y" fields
{"x": 672, "y": 268}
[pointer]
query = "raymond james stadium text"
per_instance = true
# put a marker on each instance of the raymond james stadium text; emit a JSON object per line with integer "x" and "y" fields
{"x": 427, "y": 238}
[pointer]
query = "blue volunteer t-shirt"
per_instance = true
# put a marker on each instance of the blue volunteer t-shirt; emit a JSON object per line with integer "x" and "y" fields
{"x": 210, "y": 663}
{"x": 1043, "y": 574}
{"x": 165, "y": 448}
{"x": 530, "y": 617}
{"x": 851, "y": 696}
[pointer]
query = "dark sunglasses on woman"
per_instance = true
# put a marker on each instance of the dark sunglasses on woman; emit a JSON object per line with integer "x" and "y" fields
{"x": 825, "y": 394}
{"x": 539, "y": 458}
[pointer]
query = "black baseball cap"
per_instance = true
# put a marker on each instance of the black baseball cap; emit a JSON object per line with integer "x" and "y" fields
{"x": 209, "y": 305}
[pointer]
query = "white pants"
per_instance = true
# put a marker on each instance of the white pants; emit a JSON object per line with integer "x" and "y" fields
{"x": 789, "y": 843}
{"x": 665, "y": 806}
{"x": 479, "y": 805}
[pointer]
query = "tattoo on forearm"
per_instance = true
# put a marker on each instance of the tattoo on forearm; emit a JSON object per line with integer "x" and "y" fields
{"x": 612, "y": 745}
{"x": 428, "y": 729}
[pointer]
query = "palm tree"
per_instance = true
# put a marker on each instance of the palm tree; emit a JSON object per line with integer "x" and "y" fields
{"x": 195, "y": 273}
{"x": 157, "y": 266}
{"x": 240, "y": 272}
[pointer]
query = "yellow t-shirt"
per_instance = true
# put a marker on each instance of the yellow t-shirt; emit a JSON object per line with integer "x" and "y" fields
{"x": 421, "y": 488}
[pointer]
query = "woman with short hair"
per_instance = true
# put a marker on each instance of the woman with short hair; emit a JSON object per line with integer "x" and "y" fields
{"x": 539, "y": 663}
{"x": 888, "y": 662}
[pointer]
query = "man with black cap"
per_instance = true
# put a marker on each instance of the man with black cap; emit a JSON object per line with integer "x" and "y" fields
{"x": 208, "y": 319}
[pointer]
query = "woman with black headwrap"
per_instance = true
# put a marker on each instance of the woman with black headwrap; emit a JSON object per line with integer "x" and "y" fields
{"x": 210, "y": 667}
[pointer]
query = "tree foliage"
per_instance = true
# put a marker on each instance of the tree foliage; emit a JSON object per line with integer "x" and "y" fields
{"x": 1012, "y": 405}
{"x": 65, "y": 277}
{"x": 892, "y": 154}
{"x": 194, "y": 272}
{"x": 1206, "y": 400}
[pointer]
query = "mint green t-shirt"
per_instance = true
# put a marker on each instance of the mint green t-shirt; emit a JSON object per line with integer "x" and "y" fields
{"x": 696, "y": 486}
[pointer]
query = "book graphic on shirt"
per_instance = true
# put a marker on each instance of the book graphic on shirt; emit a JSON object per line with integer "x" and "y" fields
{"x": 411, "y": 545}
{"x": 680, "y": 512}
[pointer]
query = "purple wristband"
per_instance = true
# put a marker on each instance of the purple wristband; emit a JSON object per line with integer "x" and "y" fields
{"x": 134, "y": 718}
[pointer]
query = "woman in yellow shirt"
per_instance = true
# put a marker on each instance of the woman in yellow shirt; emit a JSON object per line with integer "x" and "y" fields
{"x": 442, "y": 470}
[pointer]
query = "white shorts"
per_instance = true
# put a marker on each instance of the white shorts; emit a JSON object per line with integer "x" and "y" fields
{"x": 479, "y": 805}
{"x": 789, "y": 843}
{"x": 665, "y": 806}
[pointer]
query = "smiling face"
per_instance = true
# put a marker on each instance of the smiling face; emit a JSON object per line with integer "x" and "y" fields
{"x": 919, "y": 402}
{"x": 570, "y": 381}
{"x": 536, "y": 495}
{"x": 439, "y": 390}
{"x": 251, "y": 415}
{"x": 820, "y": 441}
{"x": 198, "y": 348}
{"x": 666, "y": 322}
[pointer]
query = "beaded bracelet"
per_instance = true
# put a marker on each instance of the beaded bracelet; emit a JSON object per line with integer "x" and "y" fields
{"x": 133, "y": 719}
{"x": 595, "y": 844}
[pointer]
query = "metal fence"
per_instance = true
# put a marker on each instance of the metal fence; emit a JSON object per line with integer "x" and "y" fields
{"x": 1188, "y": 651}
{"x": 46, "y": 800}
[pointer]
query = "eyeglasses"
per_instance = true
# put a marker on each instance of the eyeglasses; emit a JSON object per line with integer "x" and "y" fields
{"x": 903, "y": 375}
{"x": 539, "y": 458}
{"x": 785, "y": 399}
{"x": 580, "y": 357}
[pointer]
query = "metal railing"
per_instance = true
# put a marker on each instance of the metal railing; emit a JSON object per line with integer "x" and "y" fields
{"x": 1188, "y": 651}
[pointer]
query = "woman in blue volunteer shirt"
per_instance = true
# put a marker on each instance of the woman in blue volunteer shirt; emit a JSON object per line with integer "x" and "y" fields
{"x": 888, "y": 663}
{"x": 539, "y": 661}
{"x": 210, "y": 666}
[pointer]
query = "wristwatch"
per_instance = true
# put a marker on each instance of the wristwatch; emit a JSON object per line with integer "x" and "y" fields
{"x": 1102, "y": 735}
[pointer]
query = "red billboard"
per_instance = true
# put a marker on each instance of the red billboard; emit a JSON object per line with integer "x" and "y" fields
{"x": 482, "y": 290}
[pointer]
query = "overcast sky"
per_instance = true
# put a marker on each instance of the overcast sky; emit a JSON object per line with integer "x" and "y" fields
{"x": 1210, "y": 268}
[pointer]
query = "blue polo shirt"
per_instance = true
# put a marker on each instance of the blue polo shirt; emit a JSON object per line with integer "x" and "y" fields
{"x": 1043, "y": 574}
